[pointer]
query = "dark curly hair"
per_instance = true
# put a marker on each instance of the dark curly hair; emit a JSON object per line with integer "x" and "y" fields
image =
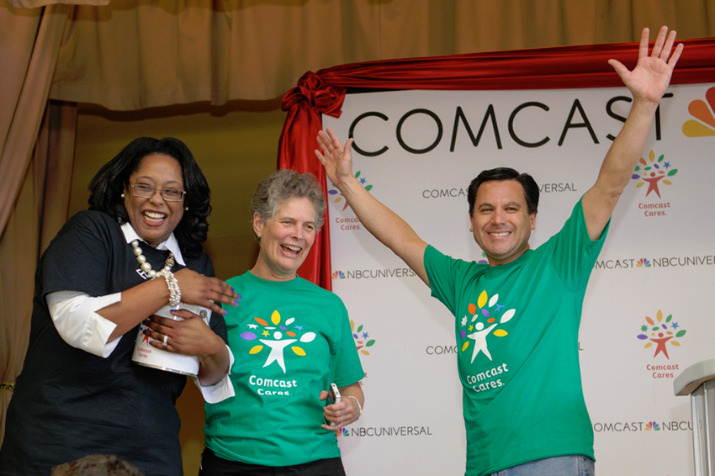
{"x": 528, "y": 184}
{"x": 110, "y": 181}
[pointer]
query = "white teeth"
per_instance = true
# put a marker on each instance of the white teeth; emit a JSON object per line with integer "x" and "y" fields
{"x": 292, "y": 248}
{"x": 154, "y": 215}
{"x": 503, "y": 233}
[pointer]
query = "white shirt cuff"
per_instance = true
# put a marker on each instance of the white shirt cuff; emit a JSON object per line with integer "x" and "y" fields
{"x": 220, "y": 390}
{"x": 76, "y": 320}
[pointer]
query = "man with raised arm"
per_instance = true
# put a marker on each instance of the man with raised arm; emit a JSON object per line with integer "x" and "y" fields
{"x": 523, "y": 403}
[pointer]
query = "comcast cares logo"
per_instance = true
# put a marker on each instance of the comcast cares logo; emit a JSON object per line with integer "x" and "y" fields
{"x": 362, "y": 338}
{"x": 659, "y": 332}
{"x": 483, "y": 320}
{"x": 276, "y": 336}
{"x": 653, "y": 172}
{"x": 703, "y": 113}
{"x": 338, "y": 197}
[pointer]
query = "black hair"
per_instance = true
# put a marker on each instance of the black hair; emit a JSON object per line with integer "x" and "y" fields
{"x": 110, "y": 181}
{"x": 528, "y": 184}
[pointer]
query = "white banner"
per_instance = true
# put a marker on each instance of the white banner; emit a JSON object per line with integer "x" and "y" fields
{"x": 647, "y": 313}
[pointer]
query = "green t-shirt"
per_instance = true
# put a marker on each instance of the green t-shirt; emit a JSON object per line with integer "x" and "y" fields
{"x": 290, "y": 340}
{"x": 517, "y": 343}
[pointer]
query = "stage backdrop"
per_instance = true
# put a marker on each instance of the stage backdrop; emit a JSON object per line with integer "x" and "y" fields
{"x": 647, "y": 310}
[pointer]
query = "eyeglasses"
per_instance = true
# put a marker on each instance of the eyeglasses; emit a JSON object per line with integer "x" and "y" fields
{"x": 146, "y": 191}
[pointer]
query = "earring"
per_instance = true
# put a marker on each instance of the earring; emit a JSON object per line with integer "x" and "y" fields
{"x": 122, "y": 195}
{"x": 186, "y": 208}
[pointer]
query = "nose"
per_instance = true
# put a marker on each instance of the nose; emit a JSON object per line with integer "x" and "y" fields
{"x": 154, "y": 199}
{"x": 295, "y": 231}
{"x": 498, "y": 216}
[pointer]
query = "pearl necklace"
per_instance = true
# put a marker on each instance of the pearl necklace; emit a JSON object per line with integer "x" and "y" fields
{"x": 146, "y": 265}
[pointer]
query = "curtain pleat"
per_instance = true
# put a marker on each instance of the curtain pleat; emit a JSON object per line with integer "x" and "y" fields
{"x": 40, "y": 212}
{"x": 29, "y": 71}
{"x": 214, "y": 52}
{"x": 30, "y": 43}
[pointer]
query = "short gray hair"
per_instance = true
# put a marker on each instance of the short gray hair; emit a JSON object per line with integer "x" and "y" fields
{"x": 281, "y": 186}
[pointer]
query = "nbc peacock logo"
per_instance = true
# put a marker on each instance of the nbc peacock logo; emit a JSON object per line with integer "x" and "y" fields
{"x": 337, "y": 196}
{"x": 660, "y": 332}
{"x": 703, "y": 113}
{"x": 652, "y": 426}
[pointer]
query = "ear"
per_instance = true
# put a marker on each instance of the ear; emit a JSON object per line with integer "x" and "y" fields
{"x": 532, "y": 219}
{"x": 258, "y": 224}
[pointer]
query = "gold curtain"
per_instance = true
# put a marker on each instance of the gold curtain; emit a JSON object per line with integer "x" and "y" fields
{"x": 193, "y": 51}
{"x": 39, "y": 213}
{"x": 28, "y": 53}
{"x": 30, "y": 41}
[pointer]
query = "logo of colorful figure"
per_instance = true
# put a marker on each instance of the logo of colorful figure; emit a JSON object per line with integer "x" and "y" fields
{"x": 276, "y": 336}
{"x": 652, "y": 172}
{"x": 486, "y": 315}
{"x": 659, "y": 332}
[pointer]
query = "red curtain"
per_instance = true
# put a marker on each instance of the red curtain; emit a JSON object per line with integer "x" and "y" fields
{"x": 305, "y": 103}
{"x": 544, "y": 68}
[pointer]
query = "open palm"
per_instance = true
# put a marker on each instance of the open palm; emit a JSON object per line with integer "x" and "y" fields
{"x": 651, "y": 76}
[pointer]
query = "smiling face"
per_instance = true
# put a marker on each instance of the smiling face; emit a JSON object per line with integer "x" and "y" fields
{"x": 501, "y": 223}
{"x": 285, "y": 239}
{"x": 154, "y": 219}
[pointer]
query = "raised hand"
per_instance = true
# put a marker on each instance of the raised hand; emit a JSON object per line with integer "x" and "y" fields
{"x": 335, "y": 157}
{"x": 651, "y": 76}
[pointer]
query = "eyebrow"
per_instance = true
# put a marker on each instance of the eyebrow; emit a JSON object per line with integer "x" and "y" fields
{"x": 291, "y": 218}
{"x": 490, "y": 204}
{"x": 146, "y": 177}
